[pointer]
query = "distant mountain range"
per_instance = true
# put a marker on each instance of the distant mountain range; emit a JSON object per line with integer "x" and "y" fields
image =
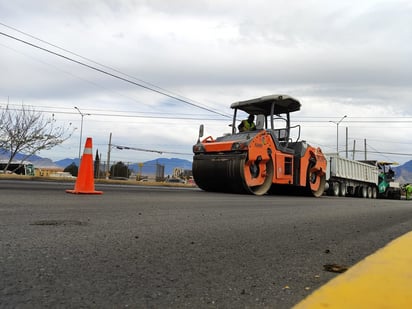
{"x": 403, "y": 173}
{"x": 38, "y": 161}
{"x": 149, "y": 167}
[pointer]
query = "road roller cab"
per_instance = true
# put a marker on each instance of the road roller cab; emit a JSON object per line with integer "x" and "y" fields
{"x": 271, "y": 158}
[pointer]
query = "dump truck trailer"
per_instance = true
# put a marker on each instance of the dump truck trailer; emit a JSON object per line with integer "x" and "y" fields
{"x": 367, "y": 179}
{"x": 349, "y": 177}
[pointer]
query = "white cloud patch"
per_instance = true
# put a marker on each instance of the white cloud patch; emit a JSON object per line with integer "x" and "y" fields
{"x": 339, "y": 58}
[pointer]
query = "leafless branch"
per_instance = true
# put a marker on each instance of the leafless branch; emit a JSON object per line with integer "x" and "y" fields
{"x": 28, "y": 131}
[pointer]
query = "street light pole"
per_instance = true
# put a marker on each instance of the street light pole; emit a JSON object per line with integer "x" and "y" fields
{"x": 81, "y": 130}
{"x": 337, "y": 132}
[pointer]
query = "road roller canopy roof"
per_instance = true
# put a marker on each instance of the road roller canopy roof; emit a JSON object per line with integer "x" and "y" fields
{"x": 263, "y": 105}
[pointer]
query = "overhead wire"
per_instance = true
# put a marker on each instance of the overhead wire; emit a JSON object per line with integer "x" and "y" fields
{"x": 162, "y": 91}
{"x": 95, "y": 62}
{"x": 149, "y": 150}
{"x": 113, "y": 75}
{"x": 143, "y": 115}
{"x": 163, "y": 115}
{"x": 159, "y": 90}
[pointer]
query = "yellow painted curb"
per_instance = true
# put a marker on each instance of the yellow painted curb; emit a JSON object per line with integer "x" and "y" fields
{"x": 381, "y": 280}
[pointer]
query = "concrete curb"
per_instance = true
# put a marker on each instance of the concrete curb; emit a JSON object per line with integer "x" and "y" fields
{"x": 381, "y": 280}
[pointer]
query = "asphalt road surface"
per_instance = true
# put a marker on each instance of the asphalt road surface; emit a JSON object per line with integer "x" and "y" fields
{"x": 156, "y": 247}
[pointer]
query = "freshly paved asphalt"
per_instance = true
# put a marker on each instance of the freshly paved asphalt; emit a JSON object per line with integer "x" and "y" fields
{"x": 155, "y": 247}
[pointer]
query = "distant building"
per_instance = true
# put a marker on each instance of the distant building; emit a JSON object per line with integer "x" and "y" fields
{"x": 47, "y": 171}
{"x": 160, "y": 172}
{"x": 18, "y": 167}
{"x": 177, "y": 172}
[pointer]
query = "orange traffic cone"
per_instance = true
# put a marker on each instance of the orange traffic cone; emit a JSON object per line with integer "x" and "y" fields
{"x": 85, "y": 177}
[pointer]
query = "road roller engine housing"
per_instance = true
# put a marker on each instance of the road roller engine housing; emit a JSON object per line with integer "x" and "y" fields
{"x": 264, "y": 160}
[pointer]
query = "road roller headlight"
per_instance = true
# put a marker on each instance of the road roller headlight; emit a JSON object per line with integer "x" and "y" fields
{"x": 198, "y": 148}
{"x": 239, "y": 146}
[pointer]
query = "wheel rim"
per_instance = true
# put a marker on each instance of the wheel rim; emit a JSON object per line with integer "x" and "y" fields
{"x": 316, "y": 183}
{"x": 258, "y": 176}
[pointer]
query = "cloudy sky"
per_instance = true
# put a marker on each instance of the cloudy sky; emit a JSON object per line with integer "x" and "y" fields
{"x": 337, "y": 57}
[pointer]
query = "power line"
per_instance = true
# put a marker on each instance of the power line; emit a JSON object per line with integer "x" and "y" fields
{"x": 101, "y": 114}
{"x": 384, "y": 152}
{"x": 182, "y": 116}
{"x": 150, "y": 150}
{"x": 69, "y": 110}
{"x": 92, "y": 61}
{"x": 394, "y": 121}
{"x": 113, "y": 75}
{"x": 158, "y": 89}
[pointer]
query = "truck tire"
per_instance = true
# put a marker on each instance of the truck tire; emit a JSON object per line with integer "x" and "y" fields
{"x": 374, "y": 192}
{"x": 335, "y": 189}
{"x": 342, "y": 189}
{"x": 364, "y": 191}
{"x": 369, "y": 192}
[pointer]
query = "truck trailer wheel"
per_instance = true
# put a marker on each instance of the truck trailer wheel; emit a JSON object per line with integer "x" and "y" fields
{"x": 364, "y": 191}
{"x": 357, "y": 191}
{"x": 369, "y": 192}
{"x": 342, "y": 189}
{"x": 374, "y": 192}
{"x": 335, "y": 188}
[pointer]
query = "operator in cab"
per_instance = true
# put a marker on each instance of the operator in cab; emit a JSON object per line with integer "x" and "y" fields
{"x": 247, "y": 124}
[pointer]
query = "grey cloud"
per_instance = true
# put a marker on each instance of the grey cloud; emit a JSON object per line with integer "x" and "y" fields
{"x": 216, "y": 52}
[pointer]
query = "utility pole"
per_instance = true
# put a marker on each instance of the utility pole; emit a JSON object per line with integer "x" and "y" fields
{"x": 108, "y": 156}
{"x": 364, "y": 141}
{"x": 346, "y": 144}
{"x": 353, "y": 151}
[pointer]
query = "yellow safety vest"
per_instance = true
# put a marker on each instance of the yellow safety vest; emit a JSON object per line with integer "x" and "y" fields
{"x": 248, "y": 126}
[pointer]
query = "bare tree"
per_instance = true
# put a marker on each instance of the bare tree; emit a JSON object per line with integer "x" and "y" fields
{"x": 28, "y": 131}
